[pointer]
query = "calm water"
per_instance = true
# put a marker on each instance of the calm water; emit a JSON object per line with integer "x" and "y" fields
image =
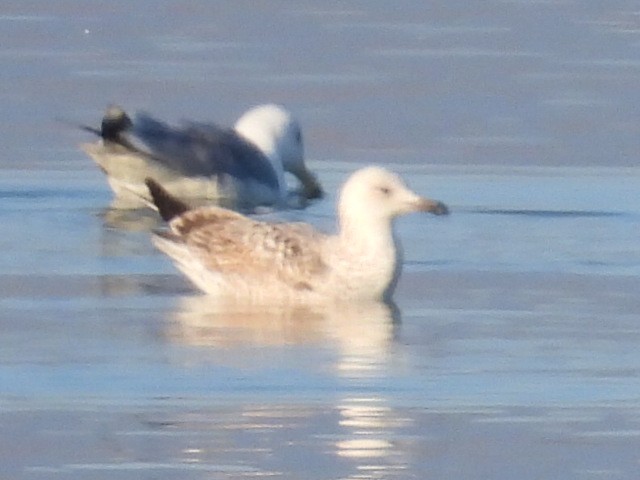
{"x": 513, "y": 349}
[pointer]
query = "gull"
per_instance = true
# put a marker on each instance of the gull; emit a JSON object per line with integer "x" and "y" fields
{"x": 230, "y": 255}
{"x": 240, "y": 167}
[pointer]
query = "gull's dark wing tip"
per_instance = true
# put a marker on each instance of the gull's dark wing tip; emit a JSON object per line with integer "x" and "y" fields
{"x": 168, "y": 205}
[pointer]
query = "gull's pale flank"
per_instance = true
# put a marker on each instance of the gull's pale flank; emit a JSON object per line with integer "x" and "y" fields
{"x": 228, "y": 254}
{"x": 243, "y": 166}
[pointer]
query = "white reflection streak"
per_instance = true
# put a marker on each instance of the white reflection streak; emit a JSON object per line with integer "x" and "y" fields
{"x": 369, "y": 443}
{"x": 368, "y": 421}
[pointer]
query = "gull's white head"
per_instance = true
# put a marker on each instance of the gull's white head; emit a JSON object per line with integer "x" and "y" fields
{"x": 374, "y": 195}
{"x": 278, "y": 135}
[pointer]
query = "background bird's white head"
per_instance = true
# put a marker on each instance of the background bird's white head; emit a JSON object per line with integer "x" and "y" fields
{"x": 278, "y": 135}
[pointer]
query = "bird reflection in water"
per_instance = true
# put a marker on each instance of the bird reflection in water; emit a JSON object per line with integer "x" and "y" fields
{"x": 130, "y": 220}
{"x": 362, "y": 334}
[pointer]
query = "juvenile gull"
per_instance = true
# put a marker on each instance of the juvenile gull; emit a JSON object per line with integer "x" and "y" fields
{"x": 243, "y": 166}
{"x": 228, "y": 254}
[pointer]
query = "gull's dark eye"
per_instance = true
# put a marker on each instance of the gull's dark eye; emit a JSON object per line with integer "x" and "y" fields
{"x": 386, "y": 191}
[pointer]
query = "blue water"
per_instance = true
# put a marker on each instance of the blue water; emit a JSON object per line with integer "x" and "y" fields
{"x": 513, "y": 349}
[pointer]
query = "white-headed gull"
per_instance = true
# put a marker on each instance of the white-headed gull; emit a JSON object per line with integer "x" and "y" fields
{"x": 240, "y": 167}
{"x": 228, "y": 254}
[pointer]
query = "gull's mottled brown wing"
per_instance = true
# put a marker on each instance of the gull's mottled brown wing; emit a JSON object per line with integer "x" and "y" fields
{"x": 232, "y": 244}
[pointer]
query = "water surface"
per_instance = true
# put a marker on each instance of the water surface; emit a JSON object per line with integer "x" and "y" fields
{"x": 512, "y": 352}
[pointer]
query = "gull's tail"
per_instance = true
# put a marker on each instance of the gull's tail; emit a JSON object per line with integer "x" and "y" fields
{"x": 168, "y": 206}
{"x": 114, "y": 123}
